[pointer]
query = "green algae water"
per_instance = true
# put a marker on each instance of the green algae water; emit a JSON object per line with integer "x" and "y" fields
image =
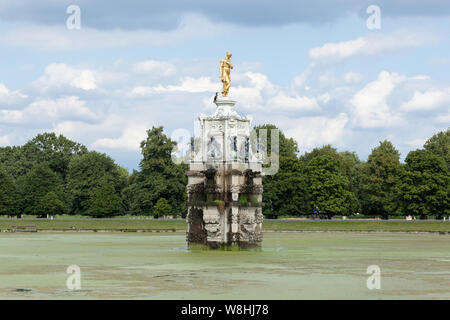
{"x": 159, "y": 266}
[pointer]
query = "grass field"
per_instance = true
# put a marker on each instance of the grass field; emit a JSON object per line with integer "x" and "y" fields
{"x": 268, "y": 225}
{"x": 328, "y": 265}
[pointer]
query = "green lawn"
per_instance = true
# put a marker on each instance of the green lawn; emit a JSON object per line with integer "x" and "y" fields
{"x": 171, "y": 225}
{"x": 435, "y": 226}
{"x": 111, "y": 225}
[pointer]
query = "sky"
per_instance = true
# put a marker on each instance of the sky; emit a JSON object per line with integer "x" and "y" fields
{"x": 318, "y": 70}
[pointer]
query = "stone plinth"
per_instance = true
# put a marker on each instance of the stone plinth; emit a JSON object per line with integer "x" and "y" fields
{"x": 224, "y": 183}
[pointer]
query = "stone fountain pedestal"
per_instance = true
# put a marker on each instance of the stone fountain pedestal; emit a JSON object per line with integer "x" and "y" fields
{"x": 224, "y": 183}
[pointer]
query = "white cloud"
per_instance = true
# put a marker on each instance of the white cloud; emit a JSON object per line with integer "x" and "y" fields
{"x": 129, "y": 97}
{"x": 324, "y": 98}
{"x": 353, "y": 77}
{"x": 296, "y": 103}
{"x": 5, "y": 140}
{"x": 311, "y": 132}
{"x": 10, "y": 97}
{"x": 369, "y": 45}
{"x": 428, "y": 100}
{"x": 67, "y": 107}
{"x": 370, "y": 108}
{"x": 59, "y": 74}
{"x": 416, "y": 143}
{"x": 153, "y": 66}
{"x": 328, "y": 79}
{"x": 11, "y": 116}
{"x": 46, "y": 110}
{"x": 129, "y": 140}
{"x": 443, "y": 118}
{"x": 188, "y": 84}
{"x": 59, "y": 38}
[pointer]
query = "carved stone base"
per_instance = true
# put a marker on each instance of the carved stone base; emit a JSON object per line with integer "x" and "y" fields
{"x": 224, "y": 182}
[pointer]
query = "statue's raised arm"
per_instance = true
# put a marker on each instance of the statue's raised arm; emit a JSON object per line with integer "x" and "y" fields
{"x": 225, "y": 66}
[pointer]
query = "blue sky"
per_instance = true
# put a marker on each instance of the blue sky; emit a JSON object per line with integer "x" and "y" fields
{"x": 312, "y": 68}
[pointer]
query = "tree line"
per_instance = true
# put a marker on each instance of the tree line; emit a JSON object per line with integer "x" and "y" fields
{"x": 339, "y": 183}
{"x": 52, "y": 175}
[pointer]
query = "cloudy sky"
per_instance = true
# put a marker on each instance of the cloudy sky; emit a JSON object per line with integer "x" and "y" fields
{"x": 313, "y": 68}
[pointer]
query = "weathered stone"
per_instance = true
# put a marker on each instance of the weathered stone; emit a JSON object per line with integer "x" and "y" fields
{"x": 224, "y": 183}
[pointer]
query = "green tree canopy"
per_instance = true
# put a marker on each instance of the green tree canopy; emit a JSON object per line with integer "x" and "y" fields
{"x": 288, "y": 146}
{"x": 35, "y": 185}
{"x": 379, "y": 178}
{"x": 439, "y": 144}
{"x": 159, "y": 176}
{"x": 328, "y": 189}
{"x": 162, "y": 208}
{"x": 52, "y": 205}
{"x": 14, "y": 161}
{"x": 285, "y": 192}
{"x": 86, "y": 172}
{"x": 425, "y": 185}
{"x": 349, "y": 166}
{"x": 104, "y": 200}
{"x": 55, "y": 150}
{"x": 8, "y": 194}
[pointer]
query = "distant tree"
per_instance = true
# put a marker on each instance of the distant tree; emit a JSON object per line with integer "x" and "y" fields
{"x": 14, "y": 161}
{"x": 288, "y": 146}
{"x": 162, "y": 208}
{"x": 86, "y": 172}
{"x": 104, "y": 201}
{"x": 51, "y": 204}
{"x": 349, "y": 166}
{"x": 282, "y": 192}
{"x": 326, "y": 150}
{"x": 425, "y": 185}
{"x": 8, "y": 194}
{"x": 380, "y": 176}
{"x": 54, "y": 150}
{"x": 439, "y": 144}
{"x": 328, "y": 189}
{"x": 285, "y": 192}
{"x": 159, "y": 176}
{"x": 35, "y": 185}
{"x": 129, "y": 193}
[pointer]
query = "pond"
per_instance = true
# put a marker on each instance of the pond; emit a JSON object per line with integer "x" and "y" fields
{"x": 314, "y": 265}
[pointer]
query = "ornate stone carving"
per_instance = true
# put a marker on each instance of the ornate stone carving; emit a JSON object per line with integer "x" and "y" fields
{"x": 219, "y": 176}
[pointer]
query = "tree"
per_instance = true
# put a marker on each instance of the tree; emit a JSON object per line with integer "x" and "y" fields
{"x": 51, "y": 204}
{"x": 285, "y": 192}
{"x": 162, "y": 208}
{"x": 8, "y": 194}
{"x": 35, "y": 185}
{"x": 328, "y": 189}
{"x": 13, "y": 161}
{"x": 86, "y": 172}
{"x": 52, "y": 149}
{"x": 55, "y": 150}
{"x": 104, "y": 201}
{"x": 349, "y": 166}
{"x": 288, "y": 146}
{"x": 380, "y": 176}
{"x": 425, "y": 185}
{"x": 439, "y": 144}
{"x": 326, "y": 150}
{"x": 159, "y": 176}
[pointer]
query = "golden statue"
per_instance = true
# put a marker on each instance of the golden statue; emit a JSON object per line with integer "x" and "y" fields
{"x": 225, "y": 66}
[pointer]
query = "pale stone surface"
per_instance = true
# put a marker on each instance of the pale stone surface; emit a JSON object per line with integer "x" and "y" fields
{"x": 224, "y": 182}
